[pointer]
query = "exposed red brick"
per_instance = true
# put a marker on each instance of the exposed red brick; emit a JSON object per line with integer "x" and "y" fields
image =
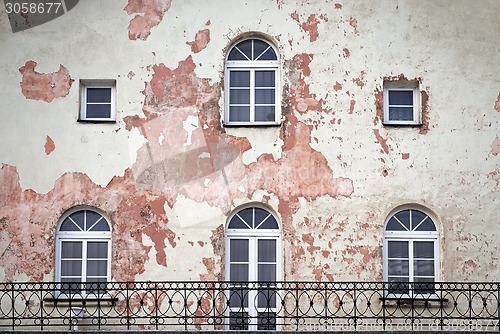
{"x": 49, "y": 145}
{"x": 382, "y": 141}
{"x": 201, "y": 41}
{"x": 45, "y": 87}
{"x": 153, "y": 10}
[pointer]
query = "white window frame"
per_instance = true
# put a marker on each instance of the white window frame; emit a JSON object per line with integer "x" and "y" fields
{"x": 411, "y": 237}
{"x": 253, "y": 236}
{"x": 402, "y": 86}
{"x": 85, "y": 237}
{"x": 86, "y": 84}
{"x": 252, "y": 66}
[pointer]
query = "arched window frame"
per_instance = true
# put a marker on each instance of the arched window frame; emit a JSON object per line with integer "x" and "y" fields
{"x": 260, "y": 317}
{"x": 252, "y": 66}
{"x": 89, "y": 283}
{"x": 414, "y": 238}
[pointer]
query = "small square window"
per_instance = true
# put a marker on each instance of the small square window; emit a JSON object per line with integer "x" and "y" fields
{"x": 401, "y": 103}
{"x": 97, "y": 101}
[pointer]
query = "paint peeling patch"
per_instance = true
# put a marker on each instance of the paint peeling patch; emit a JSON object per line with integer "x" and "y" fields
{"x": 338, "y": 6}
{"x": 495, "y": 146}
{"x": 311, "y": 25}
{"x": 346, "y": 52}
{"x": 354, "y": 23}
{"x": 497, "y": 103}
{"x": 405, "y": 156}
{"x": 201, "y": 41}
{"x": 45, "y": 87}
{"x": 153, "y": 10}
{"x": 49, "y": 145}
{"x": 130, "y": 75}
{"x": 337, "y": 86}
{"x": 382, "y": 141}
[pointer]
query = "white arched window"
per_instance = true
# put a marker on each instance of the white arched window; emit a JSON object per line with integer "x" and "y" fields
{"x": 83, "y": 253}
{"x": 253, "y": 266}
{"x": 411, "y": 254}
{"x": 252, "y": 94}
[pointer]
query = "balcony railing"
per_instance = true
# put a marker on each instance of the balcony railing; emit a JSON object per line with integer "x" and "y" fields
{"x": 276, "y": 306}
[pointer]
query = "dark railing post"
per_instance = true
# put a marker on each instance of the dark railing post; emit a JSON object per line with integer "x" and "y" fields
{"x": 13, "y": 305}
{"x": 127, "y": 304}
{"x": 41, "y": 306}
{"x": 355, "y": 307}
{"x": 185, "y": 307}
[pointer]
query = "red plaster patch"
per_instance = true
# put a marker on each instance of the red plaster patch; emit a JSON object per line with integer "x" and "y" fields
{"x": 153, "y": 10}
{"x": 337, "y": 86}
{"x": 497, "y": 103}
{"x": 49, "y": 145}
{"x": 351, "y": 106}
{"x": 311, "y": 25}
{"x": 405, "y": 156}
{"x": 354, "y": 23}
{"x": 495, "y": 146}
{"x": 45, "y": 87}
{"x": 201, "y": 41}
{"x": 338, "y": 6}
{"x": 346, "y": 52}
{"x": 381, "y": 141}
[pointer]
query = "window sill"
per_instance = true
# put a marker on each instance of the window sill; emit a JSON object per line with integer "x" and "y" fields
{"x": 96, "y": 121}
{"x": 405, "y": 125}
{"x": 250, "y": 125}
{"x": 81, "y": 301}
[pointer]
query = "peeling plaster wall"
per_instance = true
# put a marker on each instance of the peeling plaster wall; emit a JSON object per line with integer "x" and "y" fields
{"x": 168, "y": 173}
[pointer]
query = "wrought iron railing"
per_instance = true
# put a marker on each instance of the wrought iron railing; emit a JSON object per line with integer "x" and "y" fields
{"x": 304, "y": 306}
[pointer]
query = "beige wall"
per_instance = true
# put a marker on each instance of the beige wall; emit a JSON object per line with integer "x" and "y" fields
{"x": 332, "y": 171}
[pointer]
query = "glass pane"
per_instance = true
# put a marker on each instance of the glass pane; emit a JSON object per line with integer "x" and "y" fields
{"x": 423, "y": 267}
{"x": 269, "y": 224}
{"x": 92, "y": 217}
{"x": 71, "y": 250}
{"x": 71, "y": 267}
{"x": 247, "y": 216}
{"x": 259, "y": 47}
{"x": 267, "y": 250}
{"x": 404, "y": 218}
{"x": 427, "y": 225}
{"x": 102, "y": 225}
{"x": 394, "y": 225}
{"x": 239, "y": 79}
{"x": 99, "y": 95}
{"x": 264, "y": 96}
{"x": 401, "y": 97}
{"x": 97, "y": 268}
{"x": 239, "y": 114}
{"x": 423, "y": 249}
{"x": 236, "y": 222}
{"x": 398, "y": 268}
{"x": 266, "y": 298}
{"x": 246, "y": 48}
{"x": 267, "y": 273}
{"x": 266, "y": 321}
{"x": 397, "y": 249}
{"x": 238, "y": 272}
{"x": 71, "y": 286}
{"x": 98, "y": 111}
{"x": 77, "y": 218}
{"x": 96, "y": 285}
{"x": 97, "y": 249}
{"x": 424, "y": 285}
{"x": 238, "y": 250}
{"x": 398, "y": 285}
{"x": 260, "y": 215}
{"x": 401, "y": 113}
{"x": 265, "y": 114}
{"x": 235, "y": 54}
{"x": 238, "y": 298}
{"x": 239, "y": 96}
{"x": 238, "y": 321}
{"x": 265, "y": 79}
{"x": 269, "y": 55}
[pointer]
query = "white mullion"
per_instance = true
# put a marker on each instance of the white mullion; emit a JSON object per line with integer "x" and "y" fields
{"x": 252, "y": 94}
{"x": 84, "y": 264}
{"x": 411, "y": 264}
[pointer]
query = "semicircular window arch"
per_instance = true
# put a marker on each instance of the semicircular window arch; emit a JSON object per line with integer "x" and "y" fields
{"x": 253, "y": 218}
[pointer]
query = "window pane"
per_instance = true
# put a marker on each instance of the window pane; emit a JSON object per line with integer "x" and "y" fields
{"x": 265, "y": 114}
{"x": 427, "y": 225}
{"x": 259, "y": 47}
{"x": 96, "y": 285}
{"x": 239, "y": 79}
{"x": 397, "y": 249}
{"x": 71, "y": 267}
{"x": 266, "y": 273}
{"x": 269, "y": 224}
{"x": 398, "y": 285}
{"x": 394, "y": 225}
{"x": 102, "y": 225}
{"x": 97, "y": 249}
{"x": 247, "y": 216}
{"x": 98, "y": 111}
{"x": 269, "y": 220}
{"x": 71, "y": 250}
{"x": 423, "y": 267}
{"x": 266, "y": 321}
{"x": 404, "y": 218}
{"x": 91, "y": 218}
{"x": 266, "y": 298}
{"x": 238, "y": 272}
{"x": 238, "y": 250}
{"x": 239, "y": 114}
{"x": 235, "y": 54}
{"x": 264, "y": 96}
{"x": 246, "y": 48}
{"x": 401, "y": 97}
{"x": 264, "y": 79}
{"x": 401, "y": 113}
{"x": 236, "y": 222}
{"x": 99, "y": 95}
{"x": 97, "y": 268}
{"x": 77, "y": 218}
{"x": 267, "y": 250}
{"x": 398, "y": 268}
{"x": 423, "y": 249}
{"x": 71, "y": 286}
{"x": 269, "y": 55}
{"x": 239, "y": 96}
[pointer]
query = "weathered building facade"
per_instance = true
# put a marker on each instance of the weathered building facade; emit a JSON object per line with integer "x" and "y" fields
{"x": 139, "y": 113}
